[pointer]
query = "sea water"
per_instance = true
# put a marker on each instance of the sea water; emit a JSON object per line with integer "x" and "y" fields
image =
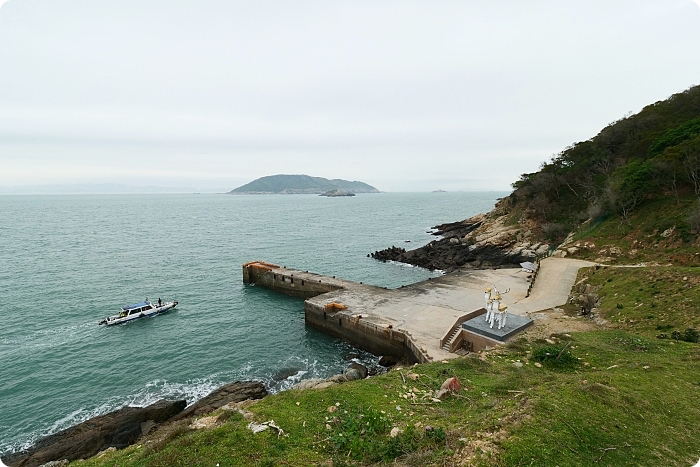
{"x": 66, "y": 262}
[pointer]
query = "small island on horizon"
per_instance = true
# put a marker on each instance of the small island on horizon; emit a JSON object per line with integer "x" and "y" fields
{"x": 337, "y": 193}
{"x": 302, "y": 184}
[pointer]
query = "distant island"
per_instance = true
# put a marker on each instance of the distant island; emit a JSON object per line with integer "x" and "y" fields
{"x": 301, "y": 184}
{"x": 336, "y": 193}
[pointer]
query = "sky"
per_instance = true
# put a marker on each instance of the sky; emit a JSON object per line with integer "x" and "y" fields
{"x": 403, "y": 95}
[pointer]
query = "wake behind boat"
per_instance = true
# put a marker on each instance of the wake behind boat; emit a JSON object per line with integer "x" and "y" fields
{"x": 138, "y": 310}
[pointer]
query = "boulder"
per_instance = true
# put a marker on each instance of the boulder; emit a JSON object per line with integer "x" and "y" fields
{"x": 361, "y": 368}
{"x": 118, "y": 429}
{"x": 233, "y": 392}
{"x": 451, "y": 384}
{"x": 310, "y": 383}
{"x": 352, "y": 374}
{"x": 388, "y": 361}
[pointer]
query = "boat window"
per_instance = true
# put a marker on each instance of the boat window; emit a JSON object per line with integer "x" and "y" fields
{"x": 147, "y": 307}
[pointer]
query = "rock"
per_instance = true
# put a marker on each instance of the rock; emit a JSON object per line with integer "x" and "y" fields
{"x": 64, "y": 462}
{"x": 388, "y": 361}
{"x": 205, "y": 423}
{"x": 396, "y": 431}
{"x": 451, "y": 384}
{"x": 361, "y": 368}
{"x": 118, "y": 429}
{"x": 284, "y": 373}
{"x": 615, "y": 250}
{"x": 542, "y": 250}
{"x": 233, "y": 392}
{"x": 572, "y": 251}
{"x": 517, "y": 364}
{"x": 338, "y": 379}
{"x": 538, "y": 364}
{"x": 308, "y": 383}
{"x": 443, "y": 394}
{"x": 352, "y": 356}
{"x": 668, "y": 232}
{"x": 352, "y": 374}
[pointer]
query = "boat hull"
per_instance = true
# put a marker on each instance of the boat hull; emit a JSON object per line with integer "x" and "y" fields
{"x": 156, "y": 310}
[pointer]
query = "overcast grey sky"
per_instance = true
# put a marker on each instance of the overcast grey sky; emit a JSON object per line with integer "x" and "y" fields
{"x": 404, "y": 95}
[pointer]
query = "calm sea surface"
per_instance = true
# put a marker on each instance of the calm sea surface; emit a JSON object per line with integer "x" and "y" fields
{"x": 68, "y": 261}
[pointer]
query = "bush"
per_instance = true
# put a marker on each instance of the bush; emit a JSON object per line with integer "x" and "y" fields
{"x": 554, "y": 356}
{"x": 689, "y": 335}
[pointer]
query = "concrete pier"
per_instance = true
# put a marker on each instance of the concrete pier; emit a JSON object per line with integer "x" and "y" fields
{"x": 421, "y": 322}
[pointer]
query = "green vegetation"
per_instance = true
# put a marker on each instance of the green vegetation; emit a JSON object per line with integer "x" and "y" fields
{"x": 652, "y": 155}
{"x": 301, "y": 184}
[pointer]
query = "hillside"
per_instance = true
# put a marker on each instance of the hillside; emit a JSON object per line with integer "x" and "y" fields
{"x": 301, "y": 184}
{"x": 634, "y": 188}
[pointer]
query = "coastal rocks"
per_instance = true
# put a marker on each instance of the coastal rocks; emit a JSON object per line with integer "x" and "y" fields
{"x": 388, "y": 254}
{"x": 233, "y": 392}
{"x": 388, "y": 361}
{"x": 360, "y": 368}
{"x": 313, "y": 383}
{"x": 116, "y": 429}
{"x": 355, "y": 372}
{"x": 478, "y": 242}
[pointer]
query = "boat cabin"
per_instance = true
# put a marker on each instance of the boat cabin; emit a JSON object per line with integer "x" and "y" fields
{"x": 135, "y": 309}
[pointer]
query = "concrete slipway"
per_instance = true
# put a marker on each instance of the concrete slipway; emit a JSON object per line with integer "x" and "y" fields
{"x": 421, "y": 321}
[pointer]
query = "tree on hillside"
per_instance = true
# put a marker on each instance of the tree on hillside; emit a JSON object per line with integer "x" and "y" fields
{"x": 629, "y": 186}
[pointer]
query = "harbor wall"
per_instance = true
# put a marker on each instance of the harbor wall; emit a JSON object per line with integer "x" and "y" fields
{"x": 363, "y": 334}
{"x": 288, "y": 281}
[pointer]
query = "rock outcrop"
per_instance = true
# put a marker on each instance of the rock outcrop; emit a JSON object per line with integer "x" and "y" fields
{"x": 478, "y": 242}
{"x": 116, "y": 429}
{"x": 233, "y": 392}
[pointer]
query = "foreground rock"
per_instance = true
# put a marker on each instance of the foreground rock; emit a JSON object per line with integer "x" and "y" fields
{"x": 233, "y": 392}
{"x": 117, "y": 429}
{"x": 478, "y": 242}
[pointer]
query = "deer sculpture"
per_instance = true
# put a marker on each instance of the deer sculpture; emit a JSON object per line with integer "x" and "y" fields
{"x": 496, "y": 313}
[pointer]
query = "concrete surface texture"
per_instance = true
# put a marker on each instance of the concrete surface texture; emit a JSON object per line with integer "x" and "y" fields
{"x": 428, "y": 309}
{"x": 552, "y": 286}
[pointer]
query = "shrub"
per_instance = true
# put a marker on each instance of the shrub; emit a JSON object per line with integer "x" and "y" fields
{"x": 689, "y": 335}
{"x": 554, "y": 356}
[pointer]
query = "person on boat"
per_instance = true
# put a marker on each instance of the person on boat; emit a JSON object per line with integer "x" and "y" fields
{"x": 159, "y": 302}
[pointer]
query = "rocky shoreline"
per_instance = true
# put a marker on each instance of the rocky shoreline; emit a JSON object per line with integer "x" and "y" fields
{"x": 129, "y": 425}
{"x": 482, "y": 241}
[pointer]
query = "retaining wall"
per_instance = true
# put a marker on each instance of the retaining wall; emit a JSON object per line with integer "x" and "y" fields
{"x": 287, "y": 281}
{"x": 363, "y": 334}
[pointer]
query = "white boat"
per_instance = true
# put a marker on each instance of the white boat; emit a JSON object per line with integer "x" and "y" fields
{"x": 138, "y": 310}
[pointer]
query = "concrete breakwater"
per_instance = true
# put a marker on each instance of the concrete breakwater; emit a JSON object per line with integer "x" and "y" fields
{"x": 420, "y": 322}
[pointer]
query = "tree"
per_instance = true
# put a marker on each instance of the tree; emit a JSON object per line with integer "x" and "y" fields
{"x": 629, "y": 186}
{"x": 687, "y": 156}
